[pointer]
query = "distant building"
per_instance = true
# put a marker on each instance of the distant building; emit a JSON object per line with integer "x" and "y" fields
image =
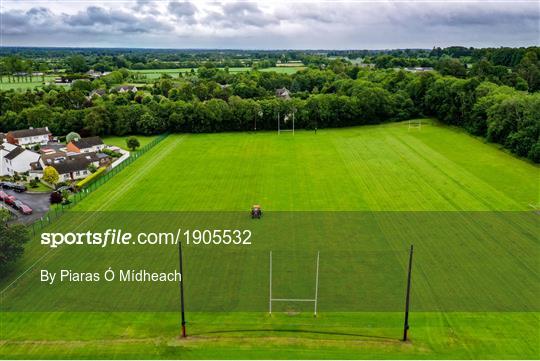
{"x": 86, "y": 145}
{"x": 29, "y": 137}
{"x": 283, "y": 93}
{"x": 419, "y": 69}
{"x": 97, "y": 92}
{"x": 126, "y": 88}
{"x": 96, "y": 74}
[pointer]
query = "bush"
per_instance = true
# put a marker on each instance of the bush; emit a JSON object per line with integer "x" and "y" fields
{"x": 111, "y": 153}
{"x": 33, "y": 183}
{"x": 61, "y": 184}
{"x": 90, "y": 178}
{"x": 92, "y": 168}
{"x": 56, "y": 198}
{"x": 534, "y": 153}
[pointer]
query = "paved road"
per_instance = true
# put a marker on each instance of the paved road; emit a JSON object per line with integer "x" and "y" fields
{"x": 39, "y": 202}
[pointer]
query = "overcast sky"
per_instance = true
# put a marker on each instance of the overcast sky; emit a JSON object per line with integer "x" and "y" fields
{"x": 269, "y": 24}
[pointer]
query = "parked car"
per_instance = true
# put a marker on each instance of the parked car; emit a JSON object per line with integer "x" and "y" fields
{"x": 25, "y": 209}
{"x": 65, "y": 188}
{"x": 19, "y": 188}
{"x": 10, "y": 200}
{"x": 3, "y": 195}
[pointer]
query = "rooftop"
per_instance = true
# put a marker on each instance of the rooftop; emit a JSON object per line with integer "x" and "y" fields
{"x": 31, "y": 132}
{"x": 87, "y": 142}
{"x": 14, "y": 153}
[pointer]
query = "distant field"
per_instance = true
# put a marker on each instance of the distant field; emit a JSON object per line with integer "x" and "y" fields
{"x": 359, "y": 196}
{"x": 156, "y": 73}
{"x": 23, "y": 85}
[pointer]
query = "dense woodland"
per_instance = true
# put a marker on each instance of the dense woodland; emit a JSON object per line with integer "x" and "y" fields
{"x": 493, "y": 93}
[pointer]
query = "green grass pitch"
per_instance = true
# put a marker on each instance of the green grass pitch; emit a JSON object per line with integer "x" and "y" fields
{"x": 356, "y": 194}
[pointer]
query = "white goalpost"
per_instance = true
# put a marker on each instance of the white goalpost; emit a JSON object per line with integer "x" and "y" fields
{"x": 314, "y": 300}
{"x": 285, "y": 119}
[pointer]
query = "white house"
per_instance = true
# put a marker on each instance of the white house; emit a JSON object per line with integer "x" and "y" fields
{"x": 15, "y": 159}
{"x": 126, "y": 88}
{"x": 70, "y": 166}
{"x": 29, "y": 137}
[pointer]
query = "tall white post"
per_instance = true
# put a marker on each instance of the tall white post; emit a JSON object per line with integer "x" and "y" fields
{"x": 270, "y": 298}
{"x": 317, "y": 284}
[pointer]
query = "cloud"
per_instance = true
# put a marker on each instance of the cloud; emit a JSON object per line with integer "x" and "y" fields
{"x": 240, "y": 14}
{"x": 184, "y": 11}
{"x": 99, "y": 19}
{"x": 19, "y": 22}
{"x": 280, "y": 24}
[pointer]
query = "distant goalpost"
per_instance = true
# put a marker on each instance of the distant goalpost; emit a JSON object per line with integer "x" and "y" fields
{"x": 314, "y": 299}
{"x": 285, "y": 120}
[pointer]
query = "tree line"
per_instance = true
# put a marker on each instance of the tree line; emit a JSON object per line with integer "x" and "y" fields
{"x": 214, "y": 100}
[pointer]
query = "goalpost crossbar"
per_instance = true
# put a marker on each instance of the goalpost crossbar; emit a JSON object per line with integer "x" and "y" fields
{"x": 314, "y": 300}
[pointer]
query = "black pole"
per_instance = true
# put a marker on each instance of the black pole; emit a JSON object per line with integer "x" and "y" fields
{"x": 407, "y": 300}
{"x": 182, "y": 289}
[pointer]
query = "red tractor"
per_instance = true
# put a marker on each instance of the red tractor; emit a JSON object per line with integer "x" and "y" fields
{"x": 256, "y": 212}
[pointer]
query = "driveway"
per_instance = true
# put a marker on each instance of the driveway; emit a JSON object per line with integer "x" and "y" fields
{"x": 39, "y": 202}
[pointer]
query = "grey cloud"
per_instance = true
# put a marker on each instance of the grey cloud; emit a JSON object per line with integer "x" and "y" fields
{"x": 146, "y": 6}
{"x": 92, "y": 20}
{"x": 239, "y": 14}
{"x": 184, "y": 11}
{"x": 265, "y": 25}
{"x": 20, "y": 22}
{"x": 95, "y": 15}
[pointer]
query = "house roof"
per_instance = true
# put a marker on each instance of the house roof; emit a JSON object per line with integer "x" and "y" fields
{"x": 99, "y": 92}
{"x": 71, "y": 165}
{"x": 14, "y": 153}
{"x": 67, "y": 163}
{"x": 283, "y": 93}
{"x": 32, "y": 132}
{"x": 87, "y": 142}
{"x": 126, "y": 87}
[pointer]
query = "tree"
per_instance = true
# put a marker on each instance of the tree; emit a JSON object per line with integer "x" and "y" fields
{"x": 529, "y": 69}
{"x": 12, "y": 240}
{"x": 450, "y": 66}
{"x": 72, "y": 136}
{"x": 77, "y": 64}
{"x": 50, "y": 175}
{"x": 132, "y": 143}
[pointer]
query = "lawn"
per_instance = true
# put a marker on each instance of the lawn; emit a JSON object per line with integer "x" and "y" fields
{"x": 23, "y": 85}
{"x": 121, "y": 141}
{"x": 359, "y": 196}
